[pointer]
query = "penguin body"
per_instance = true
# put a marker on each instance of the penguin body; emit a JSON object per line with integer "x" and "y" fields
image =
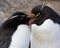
{"x": 46, "y": 36}
{"x": 45, "y": 28}
{"x": 21, "y": 37}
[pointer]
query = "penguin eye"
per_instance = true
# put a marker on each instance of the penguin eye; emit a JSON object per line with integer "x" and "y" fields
{"x": 23, "y": 16}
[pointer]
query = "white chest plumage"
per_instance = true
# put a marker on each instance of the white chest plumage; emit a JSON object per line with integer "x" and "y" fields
{"x": 46, "y": 35}
{"x": 21, "y": 37}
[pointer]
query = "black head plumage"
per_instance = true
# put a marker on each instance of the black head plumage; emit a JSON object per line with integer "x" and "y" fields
{"x": 45, "y": 13}
{"x": 16, "y": 19}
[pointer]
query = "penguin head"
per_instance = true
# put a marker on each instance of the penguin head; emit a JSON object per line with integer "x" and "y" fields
{"x": 20, "y": 18}
{"x": 16, "y": 19}
{"x": 39, "y": 14}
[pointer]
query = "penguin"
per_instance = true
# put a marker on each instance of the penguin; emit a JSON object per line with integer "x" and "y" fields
{"x": 15, "y": 32}
{"x": 45, "y": 27}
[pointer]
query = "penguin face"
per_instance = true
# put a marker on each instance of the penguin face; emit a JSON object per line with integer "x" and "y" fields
{"x": 16, "y": 19}
{"x": 18, "y": 14}
{"x": 39, "y": 15}
{"x": 20, "y": 17}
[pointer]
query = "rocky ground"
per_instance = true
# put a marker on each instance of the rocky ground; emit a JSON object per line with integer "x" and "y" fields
{"x": 8, "y": 7}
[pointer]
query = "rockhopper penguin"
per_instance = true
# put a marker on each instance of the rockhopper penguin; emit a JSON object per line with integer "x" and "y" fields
{"x": 45, "y": 28}
{"x": 15, "y": 32}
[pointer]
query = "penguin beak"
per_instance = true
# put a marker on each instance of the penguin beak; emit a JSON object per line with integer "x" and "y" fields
{"x": 32, "y": 19}
{"x": 31, "y": 15}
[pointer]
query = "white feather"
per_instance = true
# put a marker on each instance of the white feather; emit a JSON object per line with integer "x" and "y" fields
{"x": 21, "y": 37}
{"x": 13, "y": 17}
{"x": 46, "y": 35}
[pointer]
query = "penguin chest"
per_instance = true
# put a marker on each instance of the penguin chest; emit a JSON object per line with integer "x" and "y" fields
{"x": 46, "y": 35}
{"x": 20, "y": 39}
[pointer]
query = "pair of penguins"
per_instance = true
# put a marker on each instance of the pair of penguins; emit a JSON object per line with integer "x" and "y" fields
{"x": 45, "y": 29}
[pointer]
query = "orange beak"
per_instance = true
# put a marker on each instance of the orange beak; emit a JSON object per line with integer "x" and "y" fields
{"x": 31, "y": 15}
{"x": 31, "y": 21}
{"x": 32, "y": 18}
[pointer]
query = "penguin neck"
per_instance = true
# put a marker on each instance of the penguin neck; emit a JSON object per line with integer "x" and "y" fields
{"x": 10, "y": 24}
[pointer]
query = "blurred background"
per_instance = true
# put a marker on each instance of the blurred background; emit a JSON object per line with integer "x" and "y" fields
{"x": 8, "y": 7}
